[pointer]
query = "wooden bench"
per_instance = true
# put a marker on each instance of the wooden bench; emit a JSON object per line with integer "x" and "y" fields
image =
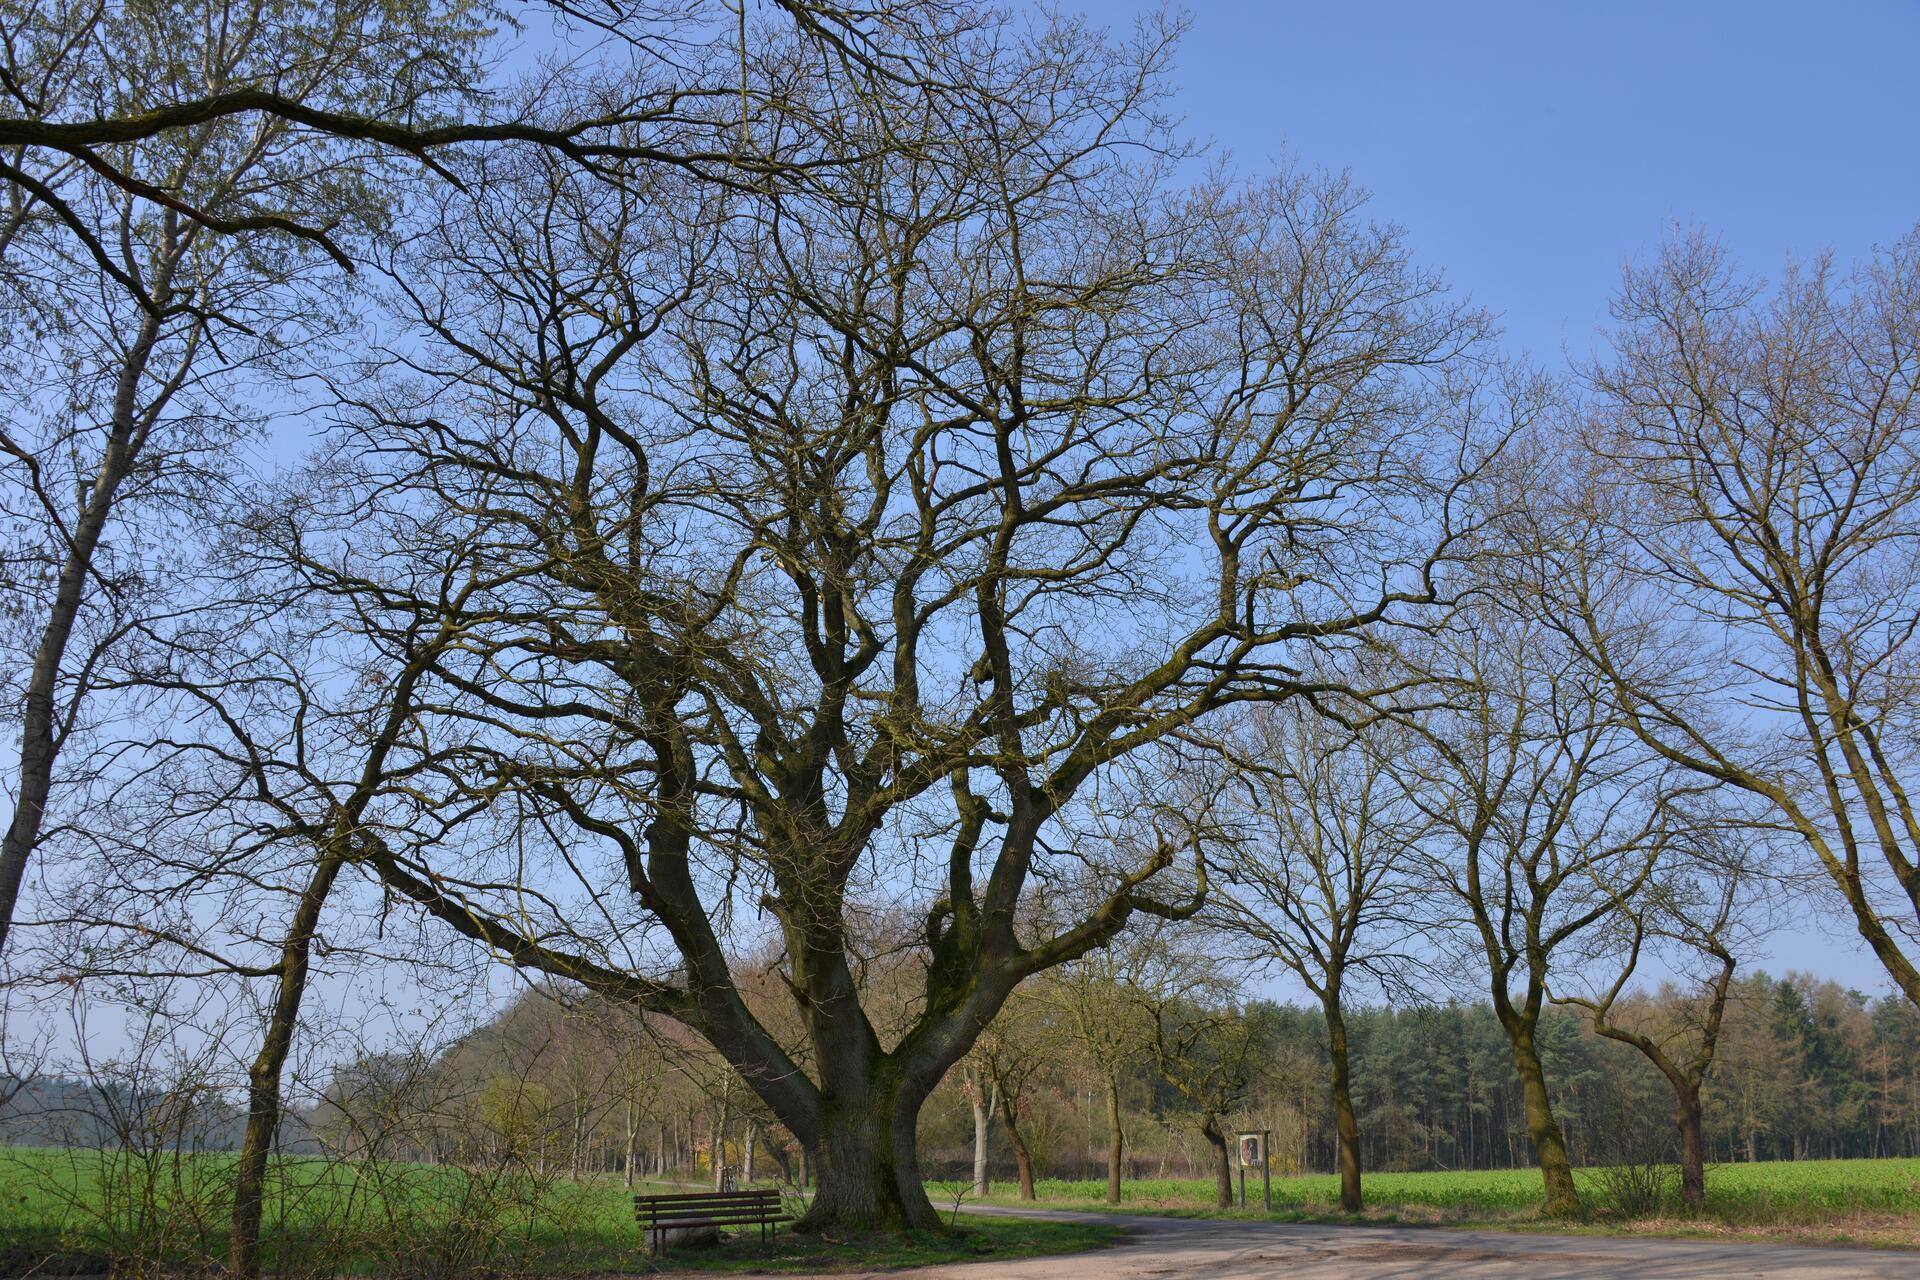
{"x": 694, "y": 1210}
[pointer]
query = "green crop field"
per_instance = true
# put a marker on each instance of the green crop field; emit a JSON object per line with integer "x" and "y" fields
{"x": 1808, "y": 1190}
{"x": 399, "y": 1219}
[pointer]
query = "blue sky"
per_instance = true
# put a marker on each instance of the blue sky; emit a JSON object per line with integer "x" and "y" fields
{"x": 1531, "y": 150}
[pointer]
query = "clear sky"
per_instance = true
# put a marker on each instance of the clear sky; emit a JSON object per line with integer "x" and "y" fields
{"x": 1531, "y": 149}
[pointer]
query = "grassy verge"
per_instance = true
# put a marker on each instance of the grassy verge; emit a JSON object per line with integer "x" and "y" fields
{"x": 74, "y": 1211}
{"x": 1873, "y": 1202}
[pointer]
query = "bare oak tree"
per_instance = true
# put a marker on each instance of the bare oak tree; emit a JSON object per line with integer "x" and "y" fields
{"x": 934, "y": 493}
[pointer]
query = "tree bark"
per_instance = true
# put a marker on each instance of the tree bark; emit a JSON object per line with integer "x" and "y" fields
{"x": 1116, "y": 1140}
{"x": 263, "y": 1076}
{"x": 1549, "y": 1143}
{"x": 1022, "y": 1157}
{"x": 40, "y": 720}
{"x": 1223, "y": 1162}
{"x": 983, "y": 1108}
{"x": 1346, "y": 1128}
{"x": 867, "y": 1173}
{"x": 1693, "y": 1149}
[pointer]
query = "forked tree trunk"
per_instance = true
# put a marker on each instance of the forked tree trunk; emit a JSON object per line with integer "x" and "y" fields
{"x": 263, "y": 1076}
{"x": 1022, "y": 1158}
{"x": 1116, "y": 1140}
{"x": 1686, "y": 1078}
{"x": 1346, "y": 1128}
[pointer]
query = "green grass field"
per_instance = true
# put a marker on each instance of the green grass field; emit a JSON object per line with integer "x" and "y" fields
{"x": 401, "y": 1219}
{"x": 418, "y": 1220}
{"x": 1737, "y": 1194}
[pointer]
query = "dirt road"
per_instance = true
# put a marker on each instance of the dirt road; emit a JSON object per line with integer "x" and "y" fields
{"x": 1173, "y": 1247}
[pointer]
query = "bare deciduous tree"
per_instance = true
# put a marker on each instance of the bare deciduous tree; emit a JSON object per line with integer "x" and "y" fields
{"x": 1697, "y": 914}
{"x": 1012, "y": 1053}
{"x": 144, "y": 349}
{"x": 813, "y": 510}
{"x": 1743, "y": 559}
{"x": 1203, "y": 1047}
{"x": 1546, "y": 815}
{"x": 1323, "y": 876}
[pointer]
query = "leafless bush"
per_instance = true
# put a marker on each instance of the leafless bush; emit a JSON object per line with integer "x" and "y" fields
{"x": 1637, "y": 1188}
{"x": 129, "y": 1135}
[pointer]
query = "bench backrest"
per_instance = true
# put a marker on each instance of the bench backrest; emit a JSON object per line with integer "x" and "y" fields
{"x": 759, "y": 1199}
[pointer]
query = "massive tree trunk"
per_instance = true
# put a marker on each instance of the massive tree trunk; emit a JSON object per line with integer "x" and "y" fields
{"x": 1346, "y": 1128}
{"x": 1116, "y": 1140}
{"x": 867, "y": 1167}
{"x": 1549, "y": 1143}
{"x": 263, "y": 1076}
{"x": 856, "y": 1110}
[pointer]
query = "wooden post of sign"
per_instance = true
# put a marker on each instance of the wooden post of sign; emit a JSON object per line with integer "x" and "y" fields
{"x": 1266, "y": 1174}
{"x": 1243, "y": 1186}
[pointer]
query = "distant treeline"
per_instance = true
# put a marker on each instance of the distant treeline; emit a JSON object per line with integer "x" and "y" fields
{"x": 56, "y": 1111}
{"x": 1806, "y": 1070}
